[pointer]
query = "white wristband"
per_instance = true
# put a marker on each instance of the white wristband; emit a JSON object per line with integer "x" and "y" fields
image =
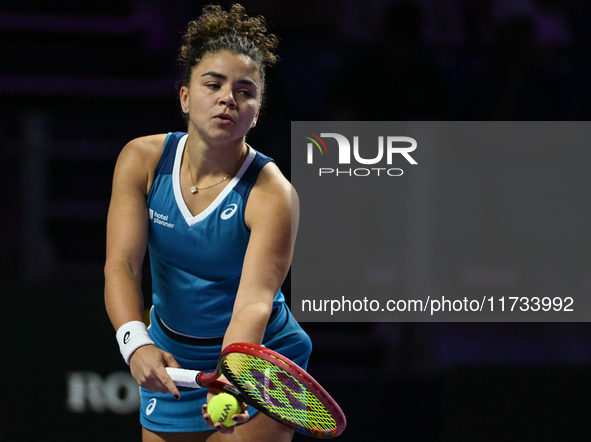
{"x": 131, "y": 336}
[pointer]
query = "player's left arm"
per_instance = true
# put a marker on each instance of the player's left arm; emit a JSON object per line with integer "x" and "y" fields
{"x": 272, "y": 215}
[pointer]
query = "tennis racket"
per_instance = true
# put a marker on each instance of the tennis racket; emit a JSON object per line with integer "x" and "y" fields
{"x": 272, "y": 384}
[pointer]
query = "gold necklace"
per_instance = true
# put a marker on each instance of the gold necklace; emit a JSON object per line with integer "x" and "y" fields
{"x": 194, "y": 189}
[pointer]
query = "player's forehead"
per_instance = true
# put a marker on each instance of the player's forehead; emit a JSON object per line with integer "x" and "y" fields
{"x": 227, "y": 65}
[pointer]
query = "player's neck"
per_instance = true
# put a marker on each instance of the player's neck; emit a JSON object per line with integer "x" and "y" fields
{"x": 220, "y": 159}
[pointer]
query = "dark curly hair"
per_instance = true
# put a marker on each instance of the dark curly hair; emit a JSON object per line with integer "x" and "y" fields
{"x": 217, "y": 30}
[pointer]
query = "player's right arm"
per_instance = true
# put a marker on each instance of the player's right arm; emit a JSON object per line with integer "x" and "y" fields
{"x": 127, "y": 238}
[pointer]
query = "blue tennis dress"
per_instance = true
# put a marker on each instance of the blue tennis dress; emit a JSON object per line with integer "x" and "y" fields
{"x": 196, "y": 264}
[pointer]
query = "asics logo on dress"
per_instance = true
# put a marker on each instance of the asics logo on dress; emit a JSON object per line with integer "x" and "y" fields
{"x": 158, "y": 218}
{"x": 151, "y": 406}
{"x": 229, "y": 212}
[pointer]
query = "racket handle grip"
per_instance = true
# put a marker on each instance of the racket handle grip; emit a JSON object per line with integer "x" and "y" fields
{"x": 184, "y": 378}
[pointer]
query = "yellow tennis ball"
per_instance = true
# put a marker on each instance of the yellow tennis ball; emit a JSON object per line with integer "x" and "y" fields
{"x": 222, "y": 407}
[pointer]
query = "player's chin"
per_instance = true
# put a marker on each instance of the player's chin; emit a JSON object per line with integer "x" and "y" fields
{"x": 229, "y": 133}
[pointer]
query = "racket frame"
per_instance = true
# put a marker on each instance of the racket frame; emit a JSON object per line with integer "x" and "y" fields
{"x": 298, "y": 374}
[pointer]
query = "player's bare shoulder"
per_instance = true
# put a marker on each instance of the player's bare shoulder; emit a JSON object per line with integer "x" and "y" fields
{"x": 144, "y": 149}
{"x": 271, "y": 183}
{"x": 139, "y": 157}
{"x": 271, "y": 196}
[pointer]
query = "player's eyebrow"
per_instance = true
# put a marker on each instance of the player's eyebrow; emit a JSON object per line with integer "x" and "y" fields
{"x": 223, "y": 77}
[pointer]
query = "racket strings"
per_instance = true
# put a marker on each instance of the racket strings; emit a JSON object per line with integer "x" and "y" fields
{"x": 280, "y": 392}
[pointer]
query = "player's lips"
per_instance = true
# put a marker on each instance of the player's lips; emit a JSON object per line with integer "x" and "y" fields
{"x": 225, "y": 117}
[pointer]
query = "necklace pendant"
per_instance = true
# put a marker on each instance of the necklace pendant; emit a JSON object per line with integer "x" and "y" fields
{"x": 193, "y": 189}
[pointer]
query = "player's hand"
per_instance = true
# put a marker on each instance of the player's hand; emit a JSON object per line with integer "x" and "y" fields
{"x": 238, "y": 418}
{"x": 148, "y": 367}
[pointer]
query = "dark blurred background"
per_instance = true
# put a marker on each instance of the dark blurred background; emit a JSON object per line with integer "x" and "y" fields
{"x": 80, "y": 79}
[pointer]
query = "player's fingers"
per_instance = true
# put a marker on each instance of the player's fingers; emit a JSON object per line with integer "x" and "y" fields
{"x": 206, "y": 416}
{"x": 242, "y": 417}
{"x": 244, "y": 407}
{"x": 147, "y": 366}
{"x": 171, "y": 361}
{"x": 150, "y": 381}
{"x": 215, "y": 425}
{"x": 168, "y": 383}
{"x": 222, "y": 429}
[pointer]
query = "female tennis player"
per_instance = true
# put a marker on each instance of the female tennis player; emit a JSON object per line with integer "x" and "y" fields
{"x": 219, "y": 220}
